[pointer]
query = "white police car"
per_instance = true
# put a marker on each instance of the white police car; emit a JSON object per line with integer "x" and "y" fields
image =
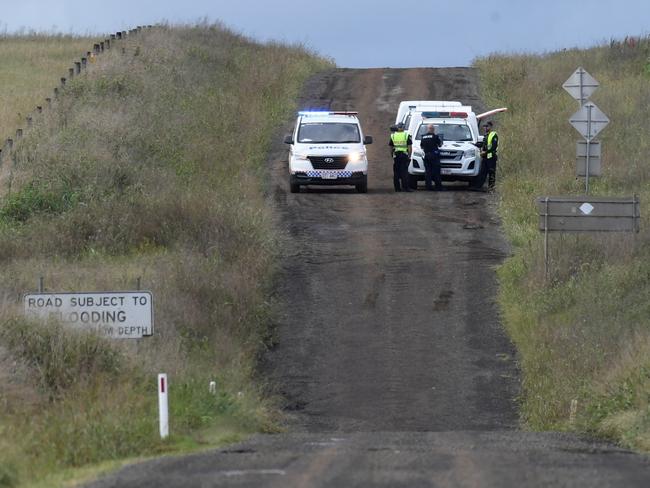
{"x": 460, "y": 157}
{"x": 328, "y": 148}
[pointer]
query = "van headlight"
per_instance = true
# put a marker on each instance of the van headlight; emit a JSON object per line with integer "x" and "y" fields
{"x": 418, "y": 154}
{"x": 300, "y": 157}
{"x": 470, "y": 153}
{"x": 355, "y": 157}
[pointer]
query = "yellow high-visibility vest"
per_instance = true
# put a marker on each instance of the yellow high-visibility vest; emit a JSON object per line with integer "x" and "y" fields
{"x": 400, "y": 141}
{"x": 490, "y": 140}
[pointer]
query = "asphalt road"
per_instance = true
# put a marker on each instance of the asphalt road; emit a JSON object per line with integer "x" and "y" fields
{"x": 391, "y": 361}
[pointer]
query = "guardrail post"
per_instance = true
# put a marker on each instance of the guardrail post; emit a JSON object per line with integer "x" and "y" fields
{"x": 84, "y": 63}
{"x": 77, "y": 67}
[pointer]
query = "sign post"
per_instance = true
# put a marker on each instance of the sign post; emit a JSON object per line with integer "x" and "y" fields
{"x": 588, "y": 120}
{"x": 163, "y": 405}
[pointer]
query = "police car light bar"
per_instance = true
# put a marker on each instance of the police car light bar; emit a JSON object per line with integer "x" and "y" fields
{"x": 444, "y": 115}
{"x": 325, "y": 112}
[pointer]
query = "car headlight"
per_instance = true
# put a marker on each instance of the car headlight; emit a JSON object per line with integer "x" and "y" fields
{"x": 355, "y": 157}
{"x": 470, "y": 153}
{"x": 419, "y": 154}
{"x": 300, "y": 157}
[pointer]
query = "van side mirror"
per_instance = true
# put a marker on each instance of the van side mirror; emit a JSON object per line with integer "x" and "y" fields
{"x": 288, "y": 139}
{"x": 367, "y": 139}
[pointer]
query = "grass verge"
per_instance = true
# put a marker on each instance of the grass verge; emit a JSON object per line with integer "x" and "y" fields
{"x": 584, "y": 334}
{"x": 150, "y": 165}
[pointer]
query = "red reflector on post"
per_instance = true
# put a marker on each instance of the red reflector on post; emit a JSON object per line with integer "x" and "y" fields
{"x": 162, "y": 385}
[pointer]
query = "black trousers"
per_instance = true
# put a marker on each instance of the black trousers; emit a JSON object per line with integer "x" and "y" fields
{"x": 401, "y": 171}
{"x": 432, "y": 171}
{"x": 488, "y": 172}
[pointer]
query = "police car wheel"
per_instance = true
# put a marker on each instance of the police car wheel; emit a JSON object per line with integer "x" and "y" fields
{"x": 362, "y": 187}
{"x": 295, "y": 188}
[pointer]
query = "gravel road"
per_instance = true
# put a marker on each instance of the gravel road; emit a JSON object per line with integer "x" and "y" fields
{"x": 391, "y": 359}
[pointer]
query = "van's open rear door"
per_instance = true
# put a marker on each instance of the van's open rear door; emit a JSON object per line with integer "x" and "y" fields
{"x": 491, "y": 112}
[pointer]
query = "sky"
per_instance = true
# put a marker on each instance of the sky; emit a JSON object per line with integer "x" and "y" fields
{"x": 362, "y": 33}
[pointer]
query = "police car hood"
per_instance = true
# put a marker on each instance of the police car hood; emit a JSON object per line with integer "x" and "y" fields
{"x": 452, "y": 145}
{"x": 327, "y": 149}
{"x": 457, "y": 146}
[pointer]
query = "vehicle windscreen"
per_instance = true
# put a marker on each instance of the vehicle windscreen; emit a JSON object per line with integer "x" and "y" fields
{"x": 447, "y": 132}
{"x": 332, "y": 132}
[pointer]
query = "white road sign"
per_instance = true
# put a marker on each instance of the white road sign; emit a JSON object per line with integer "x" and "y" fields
{"x": 581, "y": 85}
{"x": 120, "y": 315}
{"x": 589, "y": 120}
{"x": 595, "y": 161}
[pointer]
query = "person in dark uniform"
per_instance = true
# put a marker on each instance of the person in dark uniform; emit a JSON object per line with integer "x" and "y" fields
{"x": 430, "y": 145}
{"x": 401, "y": 147}
{"x": 489, "y": 157}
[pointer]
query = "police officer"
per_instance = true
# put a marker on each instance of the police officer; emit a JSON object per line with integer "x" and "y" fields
{"x": 489, "y": 157}
{"x": 430, "y": 144}
{"x": 401, "y": 147}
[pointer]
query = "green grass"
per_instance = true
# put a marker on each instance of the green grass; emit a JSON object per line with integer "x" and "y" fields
{"x": 31, "y": 67}
{"x": 150, "y": 165}
{"x": 585, "y": 333}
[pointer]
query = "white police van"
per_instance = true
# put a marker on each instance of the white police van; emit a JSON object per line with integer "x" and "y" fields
{"x": 328, "y": 148}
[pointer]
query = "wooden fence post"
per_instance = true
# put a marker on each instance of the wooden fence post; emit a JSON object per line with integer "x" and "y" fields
{"x": 77, "y": 67}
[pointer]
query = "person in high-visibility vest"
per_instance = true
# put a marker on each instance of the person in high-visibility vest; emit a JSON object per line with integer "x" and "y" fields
{"x": 401, "y": 147}
{"x": 489, "y": 157}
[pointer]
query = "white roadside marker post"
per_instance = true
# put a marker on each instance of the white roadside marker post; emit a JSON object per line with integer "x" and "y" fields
{"x": 163, "y": 405}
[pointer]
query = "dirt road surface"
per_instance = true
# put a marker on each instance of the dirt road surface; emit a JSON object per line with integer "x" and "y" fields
{"x": 391, "y": 360}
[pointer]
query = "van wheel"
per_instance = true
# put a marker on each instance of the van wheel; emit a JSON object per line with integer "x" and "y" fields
{"x": 294, "y": 187}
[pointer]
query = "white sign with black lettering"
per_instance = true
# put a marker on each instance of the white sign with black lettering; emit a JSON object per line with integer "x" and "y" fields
{"x": 120, "y": 315}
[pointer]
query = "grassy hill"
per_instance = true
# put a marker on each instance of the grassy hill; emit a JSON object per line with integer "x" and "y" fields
{"x": 585, "y": 333}
{"x": 31, "y": 67}
{"x": 149, "y": 166}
